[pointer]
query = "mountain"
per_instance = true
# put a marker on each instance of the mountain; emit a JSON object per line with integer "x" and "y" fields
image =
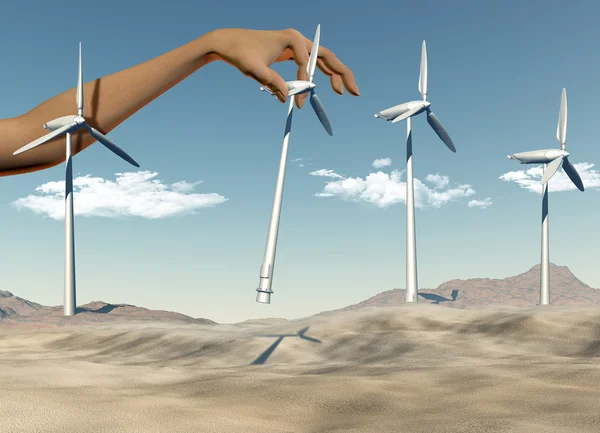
{"x": 19, "y": 310}
{"x": 521, "y": 290}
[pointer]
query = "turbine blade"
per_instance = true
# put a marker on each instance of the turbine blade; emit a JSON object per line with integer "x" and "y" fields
{"x": 46, "y": 138}
{"x": 320, "y": 112}
{"x": 561, "y": 129}
{"x": 314, "y": 54}
{"x": 423, "y": 73}
{"x": 406, "y": 115}
{"x": 110, "y": 145}
{"x": 572, "y": 173}
{"x": 80, "y": 86}
{"x": 435, "y": 124}
{"x": 551, "y": 169}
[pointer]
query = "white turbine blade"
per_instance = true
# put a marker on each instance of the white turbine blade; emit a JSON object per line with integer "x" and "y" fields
{"x": 436, "y": 125}
{"x": 572, "y": 173}
{"x": 80, "y": 86}
{"x": 551, "y": 169}
{"x": 46, "y": 138}
{"x": 423, "y": 74}
{"x": 314, "y": 55}
{"x": 320, "y": 112}
{"x": 561, "y": 129}
{"x": 110, "y": 145}
{"x": 406, "y": 115}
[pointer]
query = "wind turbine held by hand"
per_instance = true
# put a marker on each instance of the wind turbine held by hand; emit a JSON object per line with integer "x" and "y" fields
{"x": 295, "y": 88}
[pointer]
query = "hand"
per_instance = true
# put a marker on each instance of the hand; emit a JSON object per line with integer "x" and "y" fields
{"x": 253, "y": 51}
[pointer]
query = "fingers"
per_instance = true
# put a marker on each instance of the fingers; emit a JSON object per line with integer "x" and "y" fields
{"x": 302, "y": 74}
{"x": 336, "y": 66}
{"x": 336, "y": 80}
{"x": 296, "y": 42}
{"x": 333, "y": 64}
{"x": 269, "y": 78}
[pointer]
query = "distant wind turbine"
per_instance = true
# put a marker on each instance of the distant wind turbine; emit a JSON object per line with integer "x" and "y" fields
{"x": 552, "y": 159}
{"x": 396, "y": 114}
{"x": 296, "y": 87}
{"x": 68, "y": 125}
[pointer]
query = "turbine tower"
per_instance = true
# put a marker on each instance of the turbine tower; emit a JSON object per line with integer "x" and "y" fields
{"x": 296, "y": 87}
{"x": 552, "y": 159}
{"x": 406, "y": 111}
{"x": 68, "y": 125}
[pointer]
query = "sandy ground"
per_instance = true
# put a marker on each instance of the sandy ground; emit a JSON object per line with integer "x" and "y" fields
{"x": 414, "y": 368}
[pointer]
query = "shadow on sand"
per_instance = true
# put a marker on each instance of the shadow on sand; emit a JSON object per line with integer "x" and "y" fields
{"x": 265, "y": 355}
{"x": 102, "y": 310}
{"x": 437, "y": 298}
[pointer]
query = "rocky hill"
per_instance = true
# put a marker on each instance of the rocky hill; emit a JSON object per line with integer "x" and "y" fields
{"x": 19, "y": 310}
{"x": 522, "y": 290}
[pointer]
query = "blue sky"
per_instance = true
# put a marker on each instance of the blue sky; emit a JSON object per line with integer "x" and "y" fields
{"x": 496, "y": 70}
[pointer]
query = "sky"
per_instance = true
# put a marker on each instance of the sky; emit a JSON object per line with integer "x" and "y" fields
{"x": 186, "y": 231}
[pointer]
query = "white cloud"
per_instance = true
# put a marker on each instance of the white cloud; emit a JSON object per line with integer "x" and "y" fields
{"x": 383, "y": 190}
{"x": 183, "y": 186}
{"x": 137, "y": 194}
{"x": 483, "y": 204}
{"x": 437, "y": 180}
{"x": 530, "y": 179}
{"x": 382, "y": 162}
{"x": 326, "y": 173}
{"x": 301, "y": 162}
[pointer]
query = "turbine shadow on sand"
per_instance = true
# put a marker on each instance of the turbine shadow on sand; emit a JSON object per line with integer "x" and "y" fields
{"x": 265, "y": 355}
{"x": 102, "y": 310}
{"x": 437, "y": 298}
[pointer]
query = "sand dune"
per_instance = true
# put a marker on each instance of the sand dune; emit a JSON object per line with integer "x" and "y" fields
{"x": 413, "y": 368}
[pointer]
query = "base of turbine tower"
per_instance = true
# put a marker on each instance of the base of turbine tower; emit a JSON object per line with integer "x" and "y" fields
{"x": 263, "y": 296}
{"x": 411, "y": 298}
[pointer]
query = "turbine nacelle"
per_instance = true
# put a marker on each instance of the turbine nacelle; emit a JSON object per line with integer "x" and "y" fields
{"x": 398, "y": 110}
{"x": 298, "y": 87}
{"x": 59, "y": 123}
{"x": 545, "y": 156}
{"x": 295, "y": 87}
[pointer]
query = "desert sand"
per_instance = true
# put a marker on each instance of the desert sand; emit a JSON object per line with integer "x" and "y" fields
{"x": 411, "y": 368}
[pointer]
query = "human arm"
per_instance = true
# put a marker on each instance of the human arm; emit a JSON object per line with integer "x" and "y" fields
{"x": 112, "y": 99}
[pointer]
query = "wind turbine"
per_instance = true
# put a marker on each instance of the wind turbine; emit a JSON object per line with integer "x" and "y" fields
{"x": 396, "y": 114}
{"x": 552, "y": 159}
{"x": 68, "y": 125}
{"x": 295, "y": 87}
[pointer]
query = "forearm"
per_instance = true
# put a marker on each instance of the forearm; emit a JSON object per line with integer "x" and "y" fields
{"x": 108, "y": 101}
